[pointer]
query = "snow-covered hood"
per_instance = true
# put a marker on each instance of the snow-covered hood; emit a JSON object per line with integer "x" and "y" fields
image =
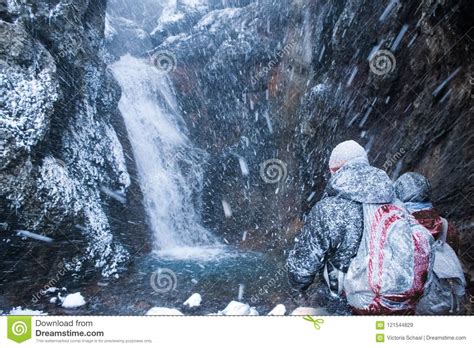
{"x": 358, "y": 181}
{"x": 413, "y": 187}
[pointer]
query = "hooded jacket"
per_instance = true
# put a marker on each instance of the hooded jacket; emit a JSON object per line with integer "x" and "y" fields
{"x": 334, "y": 226}
{"x": 414, "y": 190}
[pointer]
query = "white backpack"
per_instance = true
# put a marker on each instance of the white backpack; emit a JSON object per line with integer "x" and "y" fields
{"x": 447, "y": 290}
{"x": 392, "y": 268}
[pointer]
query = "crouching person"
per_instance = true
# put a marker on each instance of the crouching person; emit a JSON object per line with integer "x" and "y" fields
{"x": 414, "y": 190}
{"x": 447, "y": 291}
{"x": 346, "y": 234}
{"x": 364, "y": 242}
{"x": 332, "y": 230}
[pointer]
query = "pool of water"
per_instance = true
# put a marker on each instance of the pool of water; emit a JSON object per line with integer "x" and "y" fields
{"x": 167, "y": 279}
{"x": 219, "y": 274}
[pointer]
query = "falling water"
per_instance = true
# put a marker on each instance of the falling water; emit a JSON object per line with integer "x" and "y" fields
{"x": 169, "y": 166}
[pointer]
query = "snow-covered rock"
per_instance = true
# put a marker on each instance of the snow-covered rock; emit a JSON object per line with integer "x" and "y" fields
{"x": 73, "y": 300}
{"x": 279, "y": 309}
{"x": 59, "y": 142}
{"x": 163, "y": 311}
{"x": 238, "y": 308}
{"x": 193, "y": 301}
{"x": 125, "y": 36}
{"x": 177, "y": 17}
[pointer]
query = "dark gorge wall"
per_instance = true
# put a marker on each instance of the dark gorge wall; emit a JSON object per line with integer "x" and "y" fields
{"x": 267, "y": 88}
{"x": 66, "y": 167}
{"x": 286, "y": 81}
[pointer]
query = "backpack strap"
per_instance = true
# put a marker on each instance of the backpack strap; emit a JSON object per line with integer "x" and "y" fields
{"x": 444, "y": 230}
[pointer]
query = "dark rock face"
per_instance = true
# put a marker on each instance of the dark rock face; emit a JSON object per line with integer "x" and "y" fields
{"x": 66, "y": 170}
{"x": 289, "y": 80}
{"x": 267, "y": 88}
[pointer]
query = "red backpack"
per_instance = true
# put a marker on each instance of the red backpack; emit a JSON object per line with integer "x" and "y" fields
{"x": 391, "y": 270}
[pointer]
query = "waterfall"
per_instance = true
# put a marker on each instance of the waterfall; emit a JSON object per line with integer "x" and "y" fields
{"x": 169, "y": 166}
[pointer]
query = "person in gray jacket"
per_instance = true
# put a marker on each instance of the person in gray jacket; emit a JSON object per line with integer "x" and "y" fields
{"x": 333, "y": 229}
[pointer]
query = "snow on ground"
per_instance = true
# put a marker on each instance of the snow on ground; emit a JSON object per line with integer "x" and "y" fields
{"x": 279, "y": 309}
{"x": 194, "y": 301}
{"x": 73, "y": 300}
{"x": 20, "y": 311}
{"x": 163, "y": 311}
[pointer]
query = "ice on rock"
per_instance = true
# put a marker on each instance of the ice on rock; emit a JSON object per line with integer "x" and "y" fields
{"x": 193, "y": 301}
{"x": 238, "y": 308}
{"x": 73, "y": 300}
{"x": 163, "y": 311}
{"x": 279, "y": 309}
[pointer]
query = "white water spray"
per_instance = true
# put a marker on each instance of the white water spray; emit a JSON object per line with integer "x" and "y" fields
{"x": 169, "y": 166}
